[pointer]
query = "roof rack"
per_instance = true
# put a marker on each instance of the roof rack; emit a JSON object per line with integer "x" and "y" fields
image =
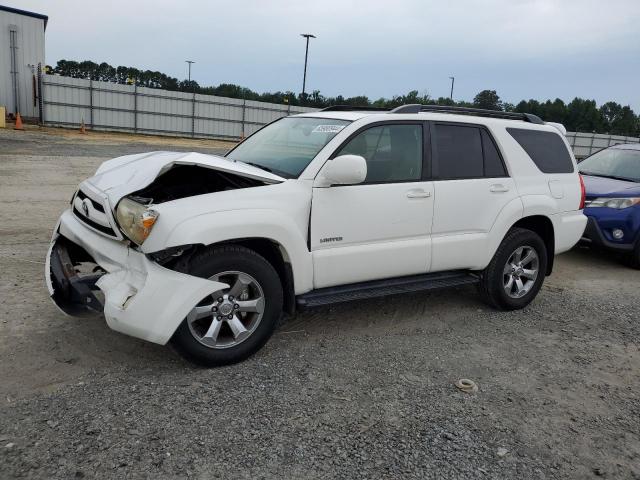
{"x": 478, "y": 112}
{"x": 349, "y": 108}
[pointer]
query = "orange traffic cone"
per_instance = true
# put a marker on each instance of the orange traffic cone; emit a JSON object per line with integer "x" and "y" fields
{"x": 18, "y": 125}
{"x": 82, "y": 129}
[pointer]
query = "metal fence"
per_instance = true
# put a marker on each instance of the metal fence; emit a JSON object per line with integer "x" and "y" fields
{"x": 68, "y": 102}
{"x": 109, "y": 106}
{"x": 584, "y": 144}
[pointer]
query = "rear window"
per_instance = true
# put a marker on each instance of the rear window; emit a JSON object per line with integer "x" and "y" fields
{"x": 546, "y": 149}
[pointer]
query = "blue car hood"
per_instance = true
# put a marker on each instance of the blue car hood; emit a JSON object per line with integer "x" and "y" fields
{"x": 609, "y": 187}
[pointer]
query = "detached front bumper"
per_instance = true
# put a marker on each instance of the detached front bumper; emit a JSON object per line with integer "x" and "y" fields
{"x": 141, "y": 298}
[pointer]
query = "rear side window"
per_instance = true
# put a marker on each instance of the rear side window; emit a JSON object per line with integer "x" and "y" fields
{"x": 458, "y": 152}
{"x": 546, "y": 149}
{"x": 465, "y": 152}
{"x": 493, "y": 166}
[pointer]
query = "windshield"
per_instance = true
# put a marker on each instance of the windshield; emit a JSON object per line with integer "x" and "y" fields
{"x": 288, "y": 145}
{"x": 614, "y": 163}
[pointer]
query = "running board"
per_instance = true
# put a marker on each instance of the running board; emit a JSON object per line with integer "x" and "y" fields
{"x": 381, "y": 288}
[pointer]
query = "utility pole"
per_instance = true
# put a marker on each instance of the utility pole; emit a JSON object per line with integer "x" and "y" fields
{"x": 453, "y": 79}
{"x": 190, "y": 62}
{"x": 306, "y": 56}
{"x": 193, "y": 101}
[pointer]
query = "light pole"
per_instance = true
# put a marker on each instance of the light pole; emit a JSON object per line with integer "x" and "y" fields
{"x": 190, "y": 62}
{"x": 453, "y": 79}
{"x": 306, "y": 55}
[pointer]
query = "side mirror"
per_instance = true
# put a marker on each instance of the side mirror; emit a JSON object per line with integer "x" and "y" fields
{"x": 343, "y": 170}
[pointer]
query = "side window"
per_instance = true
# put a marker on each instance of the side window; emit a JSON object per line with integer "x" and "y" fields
{"x": 493, "y": 166}
{"x": 459, "y": 152}
{"x": 393, "y": 152}
{"x": 546, "y": 149}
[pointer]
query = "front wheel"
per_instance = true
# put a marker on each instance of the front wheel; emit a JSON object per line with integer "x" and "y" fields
{"x": 634, "y": 258}
{"x": 234, "y": 323}
{"x": 516, "y": 272}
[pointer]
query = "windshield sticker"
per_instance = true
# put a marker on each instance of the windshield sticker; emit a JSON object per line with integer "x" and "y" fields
{"x": 328, "y": 128}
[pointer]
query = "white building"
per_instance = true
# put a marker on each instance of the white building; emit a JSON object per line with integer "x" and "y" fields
{"x": 21, "y": 50}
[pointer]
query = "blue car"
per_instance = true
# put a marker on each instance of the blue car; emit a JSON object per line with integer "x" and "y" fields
{"x": 612, "y": 184}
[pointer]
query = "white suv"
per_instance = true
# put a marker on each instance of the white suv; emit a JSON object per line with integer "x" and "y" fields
{"x": 208, "y": 252}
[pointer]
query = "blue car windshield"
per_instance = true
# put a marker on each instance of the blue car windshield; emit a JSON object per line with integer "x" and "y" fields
{"x": 613, "y": 163}
{"x": 288, "y": 145}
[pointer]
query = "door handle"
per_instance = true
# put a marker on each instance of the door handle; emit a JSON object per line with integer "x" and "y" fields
{"x": 498, "y": 188}
{"x": 418, "y": 193}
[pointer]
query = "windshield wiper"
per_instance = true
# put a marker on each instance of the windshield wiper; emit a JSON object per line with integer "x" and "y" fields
{"x": 614, "y": 177}
{"x": 266, "y": 169}
{"x": 280, "y": 173}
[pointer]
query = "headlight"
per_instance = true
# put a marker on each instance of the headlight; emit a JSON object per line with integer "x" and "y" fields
{"x": 135, "y": 220}
{"x": 617, "y": 203}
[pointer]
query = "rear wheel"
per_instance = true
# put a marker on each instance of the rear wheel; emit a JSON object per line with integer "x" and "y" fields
{"x": 516, "y": 272}
{"x": 235, "y": 322}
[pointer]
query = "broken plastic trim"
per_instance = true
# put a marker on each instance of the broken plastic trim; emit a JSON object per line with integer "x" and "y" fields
{"x": 168, "y": 256}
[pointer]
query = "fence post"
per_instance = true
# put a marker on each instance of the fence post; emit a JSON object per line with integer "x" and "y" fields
{"x": 244, "y": 108}
{"x": 193, "y": 115}
{"x": 91, "y": 103}
{"x": 135, "y": 108}
{"x": 40, "y": 109}
{"x": 593, "y": 137}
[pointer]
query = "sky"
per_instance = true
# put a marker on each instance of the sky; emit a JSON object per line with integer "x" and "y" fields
{"x": 541, "y": 49}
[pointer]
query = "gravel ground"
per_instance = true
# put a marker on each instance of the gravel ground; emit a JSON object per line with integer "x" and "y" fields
{"x": 364, "y": 390}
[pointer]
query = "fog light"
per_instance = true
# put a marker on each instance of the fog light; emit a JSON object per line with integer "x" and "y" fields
{"x": 617, "y": 233}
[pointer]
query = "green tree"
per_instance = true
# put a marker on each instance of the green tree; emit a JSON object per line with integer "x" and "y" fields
{"x": 488, "y": 100}
{"x": 555, "y": 111}
{"x": 619, "y": 120}
{"x": 584, "y": 116}
{"x": 610, "y": 111}
{"x": 445, "y": 101}
{"x": 626, "y": 123}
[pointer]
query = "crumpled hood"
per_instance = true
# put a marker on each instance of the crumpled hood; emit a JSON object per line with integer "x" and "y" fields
{"x": 123, "y": 175}
{"x": 609, "y": 187}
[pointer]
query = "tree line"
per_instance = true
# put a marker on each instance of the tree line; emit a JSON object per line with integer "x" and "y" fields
{"x": 580, "y": 115}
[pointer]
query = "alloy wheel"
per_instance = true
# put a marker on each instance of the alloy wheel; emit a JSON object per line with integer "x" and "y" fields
{"x": 228, "y": 317}
{"x": 521, "y": 271}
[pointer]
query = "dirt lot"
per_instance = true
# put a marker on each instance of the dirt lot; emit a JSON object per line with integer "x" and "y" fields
{"x": 364, "y": 390}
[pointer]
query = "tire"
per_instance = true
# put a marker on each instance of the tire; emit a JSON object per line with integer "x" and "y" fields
{"x": 494, "y": 281}
{"x": 634, "y": 258}
{"x": 203, "y": 339}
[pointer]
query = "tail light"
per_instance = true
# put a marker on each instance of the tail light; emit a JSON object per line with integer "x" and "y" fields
{"x": 583, "y": 193}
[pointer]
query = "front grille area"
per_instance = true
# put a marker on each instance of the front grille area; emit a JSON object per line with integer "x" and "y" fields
{"x": 96, "y": 205}
{"x": 93, "y": 214}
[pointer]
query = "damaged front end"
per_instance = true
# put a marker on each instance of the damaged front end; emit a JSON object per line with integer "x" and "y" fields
{"x": 183, "y": 181}
{"x": 74, "y": 293}
{"x": 138, "y": 296}
{"x": 97, "y": 261}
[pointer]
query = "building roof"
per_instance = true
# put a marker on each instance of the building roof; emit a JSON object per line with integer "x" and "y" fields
{"x": 26, "y": 14}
